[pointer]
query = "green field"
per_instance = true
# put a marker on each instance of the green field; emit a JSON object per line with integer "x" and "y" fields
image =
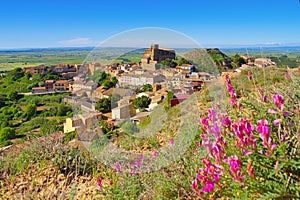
{"x": 13, "y": 59}
{"x": 9, "y": 59}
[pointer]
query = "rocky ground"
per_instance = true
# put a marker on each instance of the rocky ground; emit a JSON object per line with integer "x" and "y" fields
{"x": 49, "y": 183}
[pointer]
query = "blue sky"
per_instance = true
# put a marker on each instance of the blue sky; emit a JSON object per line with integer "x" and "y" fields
{"x": 43, "y": 23}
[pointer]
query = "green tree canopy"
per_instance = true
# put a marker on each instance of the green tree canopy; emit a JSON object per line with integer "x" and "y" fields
{"x": 238, "y": 60}
{"x": 12, "y": 95}
{"x": 49, "y": 127}
{"x": 107, "y": 84}
{"x": 168, "y": 63}
{"x": 103, "y": 105}
{"x": 145, "y": 88}
{"x": 182, "y": 61}
{"x": 16, "y": 74}
{"x": 30, "y": 111}
{"x": 62, "y": 110}
{"x": 7, "y": 133}
{"x": 141, "y": 102}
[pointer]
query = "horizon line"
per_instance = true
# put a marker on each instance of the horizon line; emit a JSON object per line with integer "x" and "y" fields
{"x": 203, "y": 46}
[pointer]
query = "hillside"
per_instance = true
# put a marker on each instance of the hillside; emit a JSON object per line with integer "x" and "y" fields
{"x": 52, "y": 170}
{"x": 213, "y": 61}
{"x": 221, "y": 59}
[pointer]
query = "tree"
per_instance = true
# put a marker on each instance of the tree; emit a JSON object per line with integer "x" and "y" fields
{"x": 168, "y": 103}
{"x": 141, "y": 102}
{"x": 7, "y": 133}
{"x": 12, "y": 95}
{"x": 30, "y": 111}
{"x": 168, "y": 63}
{"x": 2, "y": 100}
{"x": 103, "y": 105}
{"x": 103, "y": 76}
{"x": 238, "y": 60}
{"x": 145, "y": 88}
{"x": 114, "y": 80}
{"x": 16, "y": 74}
{"x": 62, "y": 110}
{"x": 50, "y": 77}
{"x": 107, "y": 84}
{"x": 182, "y": 61}
{"x": 49, "y": 127}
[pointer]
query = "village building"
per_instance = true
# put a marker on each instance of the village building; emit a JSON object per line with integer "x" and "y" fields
{"x": 118, "y": 91}
{"x": 37, "y": 70}
{"x": 204, "y": 75}
{"x": 185, "y": 69}
{"x": 124, "y": 110}
{"x": 49, "y": 85}
{"x": 81, "y": 123}
{"x": 140, "y": 78}
{"x": 37, "y": 90}
{"x": 61, "y": 85}
{"x": 264, "y": 62}
{"x": 79, "y": 85}
{"x": 154, "y": 55}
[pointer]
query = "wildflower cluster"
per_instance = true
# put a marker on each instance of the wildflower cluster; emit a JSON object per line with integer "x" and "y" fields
{"x": 233, "y": 97}
{"x": 209, "y": 177}
{"x": 219, "y": 133}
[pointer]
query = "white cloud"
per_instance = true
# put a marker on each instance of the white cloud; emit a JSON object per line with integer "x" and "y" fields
{"x": 77, "y": 42}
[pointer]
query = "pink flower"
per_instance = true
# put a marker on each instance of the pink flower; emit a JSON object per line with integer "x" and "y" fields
{"x": 243, "y": 131}
{"x": 272, "y": 111}
{"x": 285, "y": 136}
{"x": 141, "y": 156}
{"x": 225, "y": 121}
{"x": 286, "y": 114}
{"x": 279, "y": 101}
{"x": 211, "y": 114}
{"x": 137, "y": 164}
{"x": 118, "y": 167}
{"x": 172, "y": 141}
{"x": 247, "y": 152}
{"x": 276, "y": 122}
{"x": 231, "y": 91}
{"x": 265, "y": 99}
{"x": 204, "y": 122}
{"x": 218, "y": 153}
{"x": 250, "y": 170}
{"x": 207, "y": 143}
{"x": 209, "y": 187}
{"x": 287, "y": 76}
{"x": 249, "y": 76}
{"x": 215, "y": 129}
{"x": 264, "y": 130}
{"x": 99, "y": 183}
{"x": 207, "y": 177}
{"x": 236, "y": 168}
{"x": 195, "y": 185}
{"x": 155, "y": 153}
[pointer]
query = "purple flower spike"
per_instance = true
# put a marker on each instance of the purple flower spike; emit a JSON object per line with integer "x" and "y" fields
{"x": 279, "y": 101}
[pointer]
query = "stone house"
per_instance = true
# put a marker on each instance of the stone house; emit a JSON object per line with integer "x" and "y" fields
{"x": 61, "y": 85}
